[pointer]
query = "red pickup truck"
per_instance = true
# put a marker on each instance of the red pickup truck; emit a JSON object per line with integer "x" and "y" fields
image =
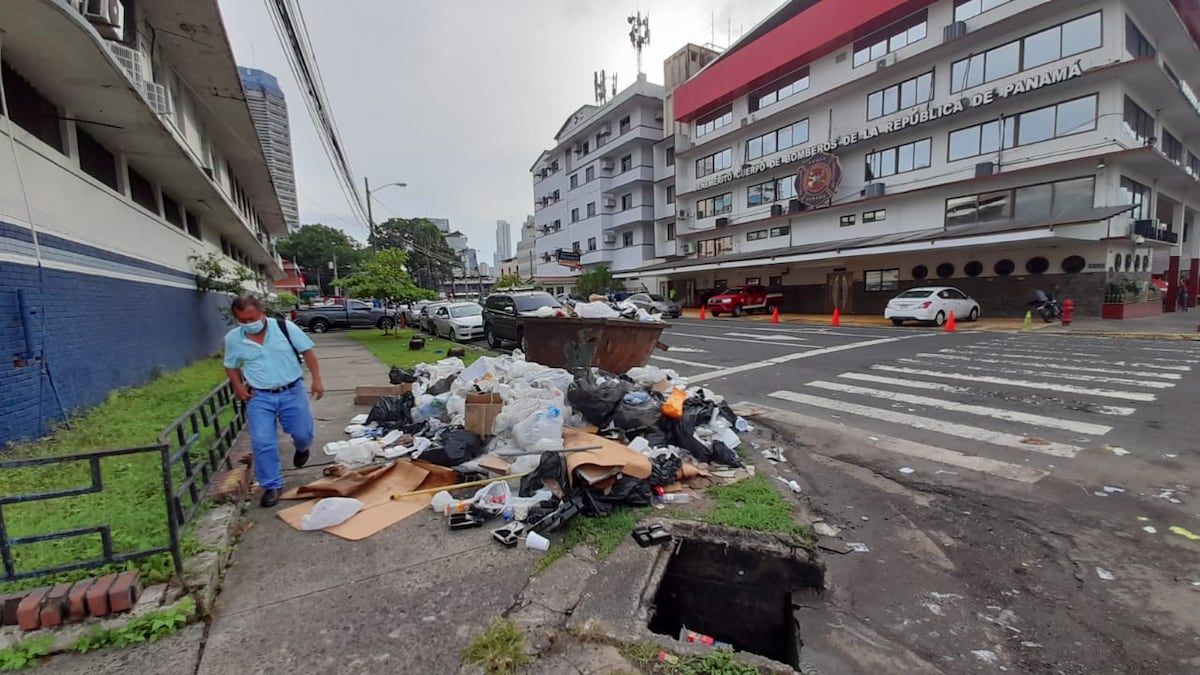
{"x": 744, "y": 299}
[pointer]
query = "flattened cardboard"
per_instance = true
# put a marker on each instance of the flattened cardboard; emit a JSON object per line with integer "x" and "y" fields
{"x": 344, "y": 485}
{"x": 495, "y": 464}
{"x": 481, "y": 412}
{"x": 369, "y": 394}
{"x": 610, "y": 455}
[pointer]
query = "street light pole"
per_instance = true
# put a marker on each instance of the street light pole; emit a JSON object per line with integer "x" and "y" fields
{"x": 370, "y": 217}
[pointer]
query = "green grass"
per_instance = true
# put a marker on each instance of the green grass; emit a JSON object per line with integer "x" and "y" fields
{"x": 754, "y": 504}
{"x": 718, "y": 662}
{"x": 392, "y": 348}
{"x": 499, "y": 649}
{"x": 604, "y": 535}
{"x": 131, "y": 502}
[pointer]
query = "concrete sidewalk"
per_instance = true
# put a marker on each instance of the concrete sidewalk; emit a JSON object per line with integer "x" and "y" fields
{"x": 1173, "y": 326}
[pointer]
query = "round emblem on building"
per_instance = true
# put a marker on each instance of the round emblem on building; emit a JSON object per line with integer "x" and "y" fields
{"x": 818, "y": 179}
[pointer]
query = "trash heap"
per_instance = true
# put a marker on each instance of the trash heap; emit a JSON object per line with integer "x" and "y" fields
{"x": 581, "y": 442}
{"x": 598, "y": 307}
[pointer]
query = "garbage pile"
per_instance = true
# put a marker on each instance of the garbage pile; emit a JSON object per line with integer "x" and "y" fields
{"x": 581, "y": 442}
{"x": 598, "y": 307}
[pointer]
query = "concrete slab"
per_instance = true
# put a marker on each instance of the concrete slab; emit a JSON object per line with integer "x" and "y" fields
{"x": 179, "y": 653}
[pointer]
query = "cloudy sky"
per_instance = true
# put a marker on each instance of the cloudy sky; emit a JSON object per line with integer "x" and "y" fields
{"x": 458, "y": 98}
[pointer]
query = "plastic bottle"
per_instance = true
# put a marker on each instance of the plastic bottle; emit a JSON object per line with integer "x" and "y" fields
{"x": 676, "y": 498}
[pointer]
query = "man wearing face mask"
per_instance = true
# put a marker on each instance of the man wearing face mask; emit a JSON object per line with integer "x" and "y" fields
{"x": 261, "y": 361}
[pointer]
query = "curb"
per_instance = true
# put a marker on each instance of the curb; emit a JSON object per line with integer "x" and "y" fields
{"x": 1128, "y": 335}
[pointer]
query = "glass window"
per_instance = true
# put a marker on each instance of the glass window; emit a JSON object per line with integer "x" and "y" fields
{"x": 591, "y": 243}
{"x": 994, "y": 206}
{"x": 779, "y": 90}
{"x": 1042, "y": 48}
{"x": 591, "y": 209}
{"x": 964, "y": 143}
{"x": 1052, "y": 44}
{"x": 626, "y": 239}
{"x": 1076, "y": 116}
{"x": 574, "y": 181}
{"x": 1035, "y": 126}
{"x": 1034, "y": 201}
{"x": 876, "y": 281}
{"x": 875, "y": 105}
{"x": 670, "y": 156}
{"x": 626, "y": 163}
{"x": 898, "y": 160}
{"x": 589, "y": 174}
{"x": 1081, "y": 35}
{"x": 1138, "y": 123}
{"x": 967, "y": 73}
{"x": 1074, "y": 196}
{"x": 670, "y": 194}
{"x": 1136, "y": 43}
{"x": 707, "y": 125}
{"x": 1002, "y": 62}
{"x": 1134, "y": 193}
{"x": 670, "y": 231}
{"x": 626, "y": 202}
{"x": 781, "y": 231}
{"x": 894, "y": 37}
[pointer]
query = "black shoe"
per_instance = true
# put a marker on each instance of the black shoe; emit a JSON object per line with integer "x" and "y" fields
{"x": 300, "y": 458}
{"x": 270, "y": 498}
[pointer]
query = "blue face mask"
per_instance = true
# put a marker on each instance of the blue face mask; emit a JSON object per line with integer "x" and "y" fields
{"x": 254, "y": 328}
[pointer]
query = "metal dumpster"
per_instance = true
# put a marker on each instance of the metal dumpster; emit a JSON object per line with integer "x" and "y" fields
{"x": 615, "y": 345}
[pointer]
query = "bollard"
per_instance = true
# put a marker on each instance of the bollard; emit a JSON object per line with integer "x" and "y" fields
{"x": 1068, "y": 310}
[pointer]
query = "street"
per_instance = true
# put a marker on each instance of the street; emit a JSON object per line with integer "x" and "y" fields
{"x": 1017, "y": 492}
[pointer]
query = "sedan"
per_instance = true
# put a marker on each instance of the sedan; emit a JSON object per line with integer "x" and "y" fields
{"x": 425, "y": 318}
{"x": 656, "y": 304}
{"x": 412, "y": 312}
{"x": 459, "y": 321}
{"x": 933, "y": 304}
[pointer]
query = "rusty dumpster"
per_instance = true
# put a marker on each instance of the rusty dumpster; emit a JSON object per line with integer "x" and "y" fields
{"x": 614, "y": 345}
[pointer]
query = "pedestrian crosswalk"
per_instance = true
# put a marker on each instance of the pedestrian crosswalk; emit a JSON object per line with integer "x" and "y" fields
{"x": 999, "y": 404}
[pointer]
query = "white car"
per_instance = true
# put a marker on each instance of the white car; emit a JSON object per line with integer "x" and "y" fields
{"x": 934, "y": 304}
{"x": 459, "y": 321}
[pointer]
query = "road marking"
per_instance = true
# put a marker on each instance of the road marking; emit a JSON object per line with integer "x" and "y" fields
{"x": 1099, "y": 379}
{"x": 1044, "y": 386}
{"x": 681, "y": 362}
{"x": 930, "y": 424}
{"x": 725, "y": 372}
{"x": 1005, "y": 470}
{"x": 729, "y": 339}
{"x": 689, "y": 350}
{"x": 979, "y": 410}
{"x": 911, "y": 384}
{"x": 1087, "y": 357}
{"x": 759, "y": 336}
{"x": 1161, "y": 349}
{"x": 1123, "y": 364}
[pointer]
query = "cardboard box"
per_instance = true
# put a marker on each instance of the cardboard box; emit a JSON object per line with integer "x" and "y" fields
{"x": 369, "y": 394}
{"x": 481, "y": 412}
{"x": 495, "y": 464}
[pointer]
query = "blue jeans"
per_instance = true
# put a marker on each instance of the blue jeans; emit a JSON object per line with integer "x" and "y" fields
{"x": 262, "y": 410}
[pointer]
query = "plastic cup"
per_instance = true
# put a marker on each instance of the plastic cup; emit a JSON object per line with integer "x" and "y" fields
{"x": 440, "y": 501}
{"x": 537, "y": 542}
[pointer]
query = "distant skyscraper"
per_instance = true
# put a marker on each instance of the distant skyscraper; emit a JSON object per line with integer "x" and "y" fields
{"x": 269, "y": 111}
{"x": 443, "y": 224}
{"x": 504, "y": 249}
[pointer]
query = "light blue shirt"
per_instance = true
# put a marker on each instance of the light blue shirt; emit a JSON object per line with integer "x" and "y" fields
{"x": 272, "y": 364}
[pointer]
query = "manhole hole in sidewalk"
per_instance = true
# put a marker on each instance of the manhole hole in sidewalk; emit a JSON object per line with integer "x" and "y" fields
{"x": 736, "y": 588}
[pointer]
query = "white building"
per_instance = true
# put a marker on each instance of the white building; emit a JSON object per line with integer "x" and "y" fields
{"x": 268, "y": 109}
{"x": 527, "y": 250}
{"x": 594, "y": 190}
{"x": 999, "y": 146}
{"x": 132, "y": 152}
{"x": 504, "y": 246}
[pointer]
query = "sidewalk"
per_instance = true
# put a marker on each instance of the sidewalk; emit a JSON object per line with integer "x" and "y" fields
{"x": 1175, "y": 326}
{"x": 407, "y": 599}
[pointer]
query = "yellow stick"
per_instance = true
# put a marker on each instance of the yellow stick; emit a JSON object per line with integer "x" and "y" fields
{"x": 474, "y": 483}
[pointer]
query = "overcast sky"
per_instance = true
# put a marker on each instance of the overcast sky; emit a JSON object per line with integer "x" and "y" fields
{"x": 458, "y": 98}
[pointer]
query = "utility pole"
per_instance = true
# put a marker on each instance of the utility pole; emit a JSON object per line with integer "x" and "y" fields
{"x": 337, "y": 290}
{"x": 370, "y": 218}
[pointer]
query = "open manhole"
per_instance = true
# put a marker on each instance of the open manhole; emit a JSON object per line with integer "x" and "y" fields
{"x": 736, "y": 590}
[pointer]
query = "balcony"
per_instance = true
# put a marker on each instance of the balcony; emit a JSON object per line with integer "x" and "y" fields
{"x": 605, "y": 256}
{"x": 633, "y": 175}
{"x": 1155, "y": 230}
{"x": 637, "y": 214}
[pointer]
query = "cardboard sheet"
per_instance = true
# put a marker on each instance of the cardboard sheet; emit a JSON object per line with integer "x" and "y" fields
{"x": 481, "y": 412}
{"x": 369, "y": 394}
{"x": 344, "y": 485}
{"x": 610, "y": 455}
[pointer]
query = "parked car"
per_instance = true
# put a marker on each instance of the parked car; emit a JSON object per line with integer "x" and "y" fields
{"x": 933, "y": 304}
{"x": 459, "y": 321}
{"x": 425, "y": 318}
{"x": 350, "y": 314}
{"x": 412, "y": 312}
{"x": 504, "y": 313}
{"x": 747, "y": 298}
{"x": 656, "y": 304}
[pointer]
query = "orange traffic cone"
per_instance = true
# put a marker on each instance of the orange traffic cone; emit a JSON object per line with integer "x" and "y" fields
{"x": 950, "y": 328}
{"x": 703, "y": 316}
{"x": 775, "y": 315}
{"x": 837, "y": 318}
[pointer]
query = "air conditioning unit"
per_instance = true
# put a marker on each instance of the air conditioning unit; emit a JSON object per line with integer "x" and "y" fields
{"x": 747, "y": 120}
{"x": 954, "y": 31}
{"x": 106, "y": 16}
{"x": 985, "y": 169}
{"x": 606, "y": 164}
{"x": 874, "y": 190}
{"x": 610, "y": 238}
{"x": 156, "y": 95}
{"x": 129, "y": 59}
{"x": 795, "y": 206}
{"x": 610, "y": 201}
{"x": 683, "y": 214}
{"x": 722, "y": 222}
{"x": 887, "y": 61}
{"x": 687, "y": 248}
{"x": 777, "y": 209}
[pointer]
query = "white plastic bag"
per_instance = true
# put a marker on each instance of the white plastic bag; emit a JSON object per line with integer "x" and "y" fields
{"x": 596, "y": 310}
{"x": 545, "y": 312}
{"x": 329, "y": 512}
{"x": 493, "y": 497}
{"x": 554, "y": 379}
{"x": 357, "y": 455}
{"x": 541, "y": 431}
{"x": 482, "y": 374}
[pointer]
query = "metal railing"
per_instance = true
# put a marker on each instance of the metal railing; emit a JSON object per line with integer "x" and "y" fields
{"x": 191, "y": 451}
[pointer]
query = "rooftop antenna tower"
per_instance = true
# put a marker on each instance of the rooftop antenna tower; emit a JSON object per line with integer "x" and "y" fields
{"x": 639, "y": 35}
{"x": 599, "y": 80}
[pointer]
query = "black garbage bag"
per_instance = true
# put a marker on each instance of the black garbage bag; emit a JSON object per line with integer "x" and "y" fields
{"x": 441, "y": 386}
{"x": 629, "y": 491}
{"x": 656, "y": 437}
{"x": 636, "y": 417}
{"x": 664, "y": 469}
{"x": 394, "y": 412}
{"x": 593, "y": 506}
{"x": 551, "y": 472}
{"x": 595, "y": 401}
{"x": 398, "y": 375}
{"x": 453, "y": 446}
{"x": 723, "y": 454}
{"x": 696, "y": 412}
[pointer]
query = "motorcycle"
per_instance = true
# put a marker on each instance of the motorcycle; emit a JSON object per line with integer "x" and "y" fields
{"x": 1047, "y": 307}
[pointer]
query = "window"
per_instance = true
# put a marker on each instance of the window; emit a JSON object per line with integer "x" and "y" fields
{"x": 670, "y": 156}
{"x": 586, "y": 148}
{"x": 753, "y": 281}
{"x": 95, "y": 159}
{"x": 778, "y": 140}
{"x": 575, "y": 246}
{"x": 878, "y": 281}
{"x": 715, "y": 162}
{"x": 709, "y": 248}
{"x": 1136, "y": 43}
{"x": 720, "y": 284}
{"x": 574, "y": 181}
{"x": 775, "y": 282}
{"x": 1193, "y": 165}
{"x": 627, "y": 239}
{"x": 626, "y": 163}
{"x": 771, "y": 191}
{"x": 900, "y": 159}
{"x": 558, "y": 224}
{"x": 574, "y": 215}
{"x": 756, "y": 235}
{"x": 193, "y": 224}
{"x": 965, "y": 9}
{"x": 714, "y": 206}
{"x": 781, "y": 231}
{"x": 589, "y": 174}
{"x": 142, "y": 191}
{"x": 847, "y": 220}
{"x": 1172, "y": 148}
{"x": 591, "y": 209}
{"x": 626, "y": 202}
{"x": 670, "y": 231}
{"x": 624, "y": 124}
{"x": 707, "y": 125}
{"x": 1138, "y": 122}
{"x": 30, "y": 110}
{"x": 779, "y": 90}
{"x": 1030, "y": 202}
{"x": 670, "y": 194}
{"x": 1063, "y": 119}
{"x": 591, "y": 243}
{"x": 1054, "y": 43}
{"x": 171, "y": 211}
{"x": 894, "y": 37}
{"x": 874, "y": 216}
{"x": 900, "y": 96}
{"x": 1136, "y": 194}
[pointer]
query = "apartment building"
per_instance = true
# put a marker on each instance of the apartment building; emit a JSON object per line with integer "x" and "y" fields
{"x": 268, "y": 109}
{"x": 1000, "y": 146}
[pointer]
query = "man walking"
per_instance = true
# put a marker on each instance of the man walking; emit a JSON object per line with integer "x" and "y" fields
{"x": 262, "y": 362}
{"x": 1183, "y": 295}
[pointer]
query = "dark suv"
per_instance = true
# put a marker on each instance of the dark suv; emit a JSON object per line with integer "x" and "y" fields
{"x": 504, "y": 314}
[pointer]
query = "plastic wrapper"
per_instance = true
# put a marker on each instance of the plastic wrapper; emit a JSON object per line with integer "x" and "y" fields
{"x": 675, "y": 403}
{"x": 398, "y": 375}
{"x": 633, "y": 418}
{"x": 329, "y": 512}
{"x": 540, "y": 431}
{"x": 554, "y": 379}
{"x": 453, "y": 446}
{"x": 441, "y": 369}
{"x": 545, "y": 312}
{"x": 442, "y": 386}
{"x": 596, "y": 310}
{"x": 664, "y": 469}
{"x": 492, "y": 498}
{"x": 596, "y": 398}
{"x": 393, "y": 412}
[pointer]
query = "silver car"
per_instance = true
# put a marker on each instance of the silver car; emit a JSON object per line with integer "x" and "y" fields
{"x": 656, "y": 304}
{"x": 459, "y": 321}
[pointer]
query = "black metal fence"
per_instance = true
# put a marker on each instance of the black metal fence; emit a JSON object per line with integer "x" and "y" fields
{"x": 190, "y": 451}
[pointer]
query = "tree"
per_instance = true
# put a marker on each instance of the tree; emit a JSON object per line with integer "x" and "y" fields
{"x": 510, "y": 280}
{"x": 385, "y": 276}
{"x": 432, "y": 260}
{"x": 313, "y": 247}
{"x": 599, "y": 280}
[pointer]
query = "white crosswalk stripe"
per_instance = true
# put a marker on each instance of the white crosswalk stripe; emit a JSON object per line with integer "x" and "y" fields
{"x": 948, "y": 354}
{"x": 1173, "y": 364}
{"x": 1129, "y": 382}
{"x": 1025, "y": 384}
{"x": 938, "y": 386}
